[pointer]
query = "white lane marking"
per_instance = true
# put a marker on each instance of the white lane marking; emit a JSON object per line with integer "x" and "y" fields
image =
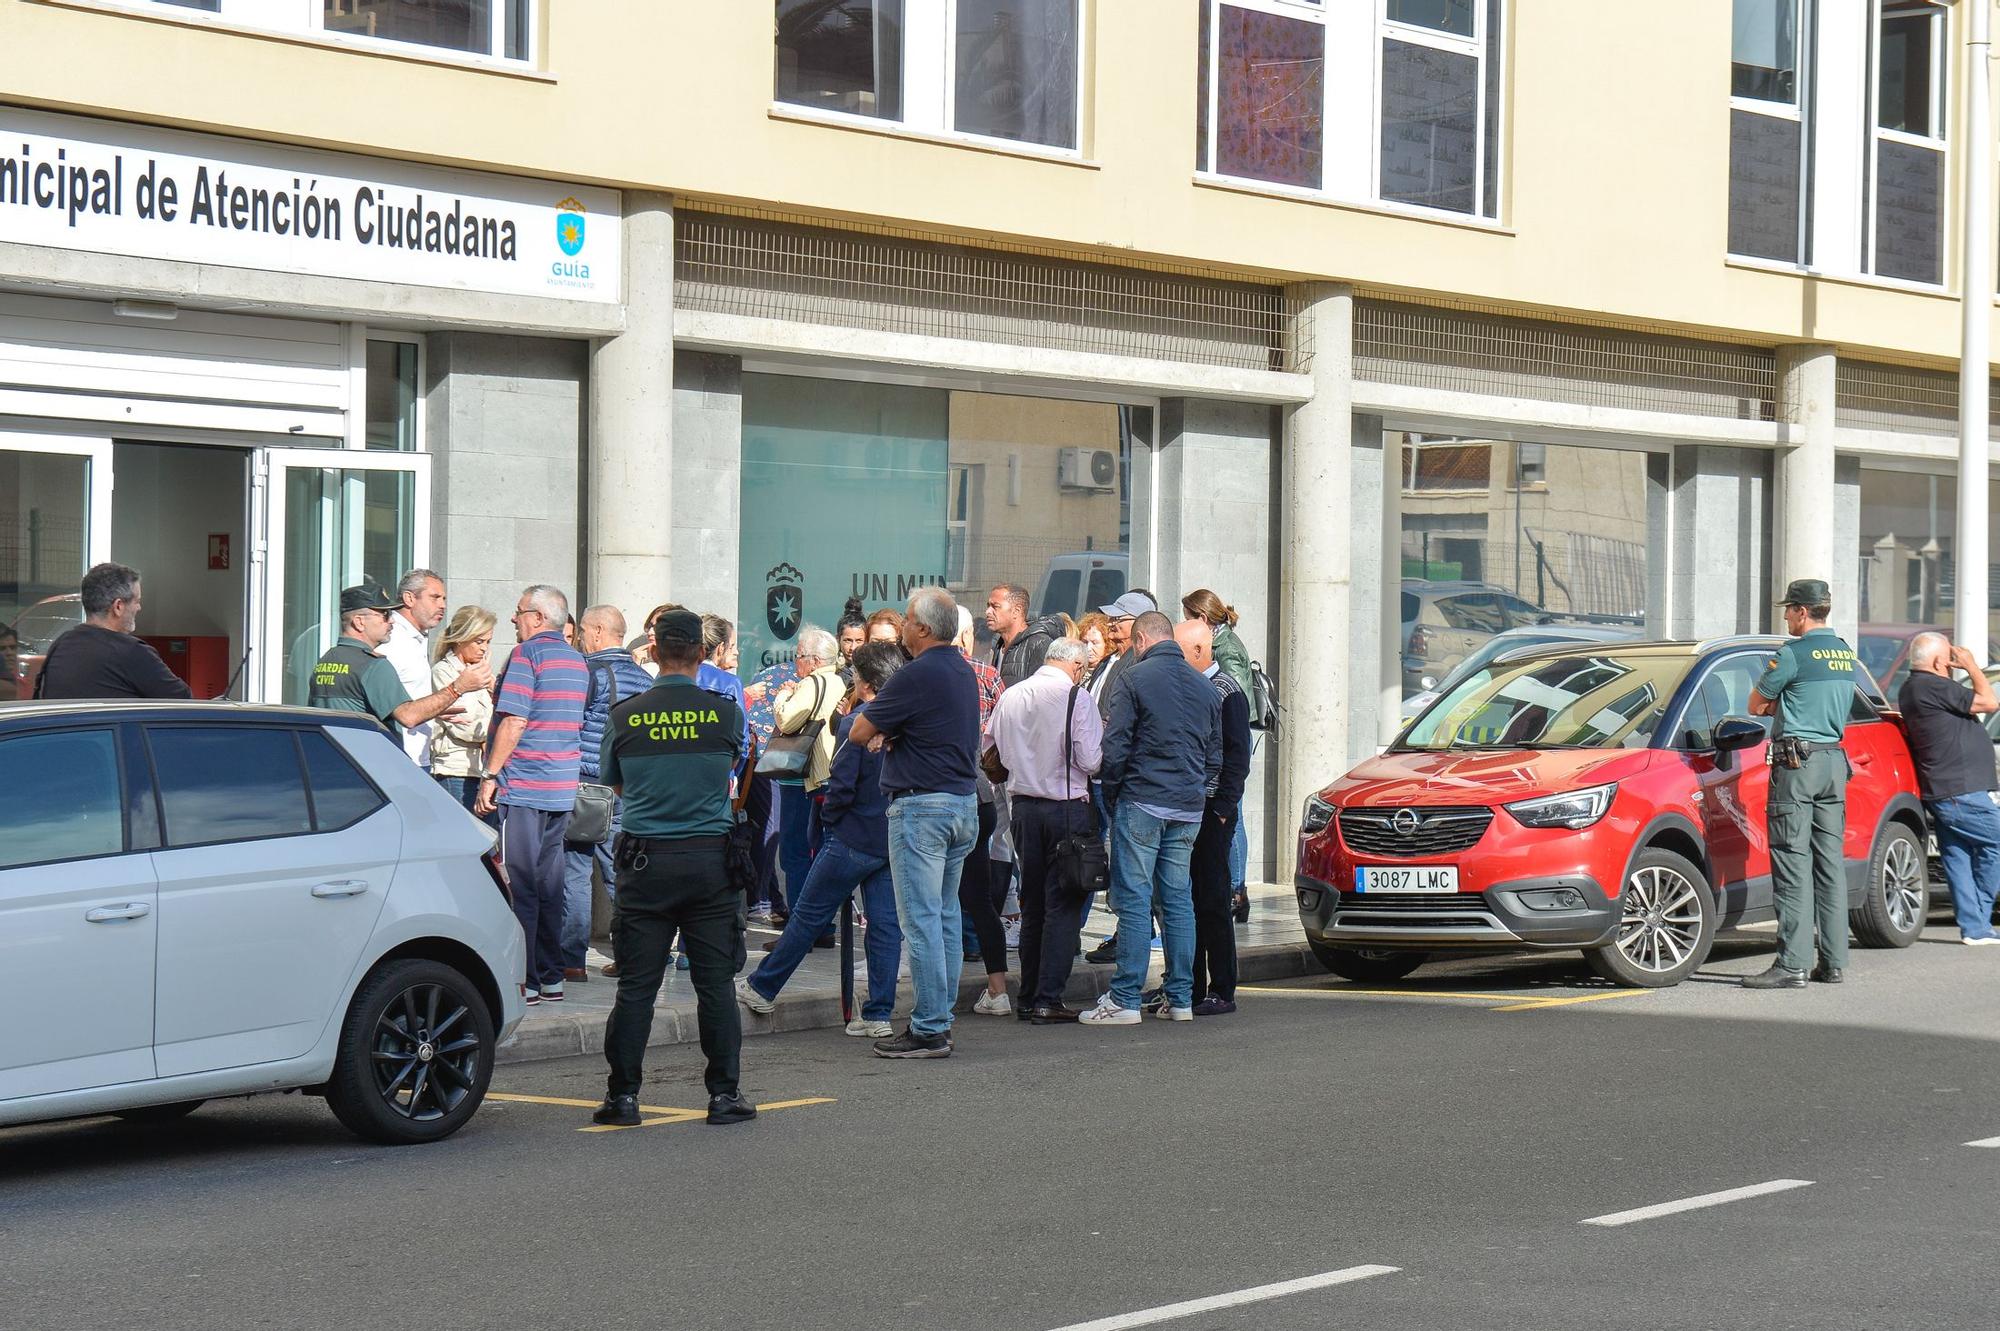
{"x": 1256, "y": 1294}
{"x": 1988, "y": 1141}
{"x": 1697, "y": 1203}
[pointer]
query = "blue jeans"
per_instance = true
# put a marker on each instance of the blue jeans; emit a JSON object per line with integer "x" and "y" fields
{"x": 1968, "y": 833}
{"x": 1239, "y": 853}
{"x": 794, "y": 837}
{"x": 465, "y": 789}
{"x": 836, "y": 871}
{"x": 929, "y": 838}
{"x": 577, "y": 862}
{"x": 1150, "y": 860}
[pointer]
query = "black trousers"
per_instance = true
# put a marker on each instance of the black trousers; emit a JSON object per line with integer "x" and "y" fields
{"x": 1214, "y": 930}
{"x": 978, "y": 898}
{"x": 1050, "y": 928}
{"x": 757, "y": 807}
{"x": 681, "y": 887}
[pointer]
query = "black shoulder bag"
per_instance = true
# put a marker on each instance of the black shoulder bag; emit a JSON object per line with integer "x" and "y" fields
{"x": 590, "y": 815}
{"x": 1078, "y": 866}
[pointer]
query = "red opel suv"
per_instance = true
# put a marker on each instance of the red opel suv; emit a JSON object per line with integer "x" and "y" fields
{"x": 1601, "y": 796}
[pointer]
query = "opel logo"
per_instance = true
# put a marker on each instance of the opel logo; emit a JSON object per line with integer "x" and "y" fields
{"x": 1406, "y": 822}
{"x": 426, "y": 1052}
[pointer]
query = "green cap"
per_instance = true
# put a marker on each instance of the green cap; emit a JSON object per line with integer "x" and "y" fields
{"x": 1807, "y": 591}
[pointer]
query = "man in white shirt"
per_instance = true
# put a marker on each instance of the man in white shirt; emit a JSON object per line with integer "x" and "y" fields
{"x": 409, "y": 648}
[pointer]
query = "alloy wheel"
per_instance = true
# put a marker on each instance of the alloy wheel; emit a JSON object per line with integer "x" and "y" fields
{"x": 425, "y": 1053}
{"x": 1904, "y": 890}
{"x": 1662, "y": 922}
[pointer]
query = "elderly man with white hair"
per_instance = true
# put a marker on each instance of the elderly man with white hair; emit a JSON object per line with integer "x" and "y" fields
{"x": 1955, "y": 771}
{"x": 928, "y": 719}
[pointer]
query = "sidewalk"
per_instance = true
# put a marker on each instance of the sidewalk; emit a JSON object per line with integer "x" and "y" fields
{"x": 1271, "y": 946}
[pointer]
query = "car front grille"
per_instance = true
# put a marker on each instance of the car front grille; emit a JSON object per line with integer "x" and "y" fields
{"x": 1437, "y": 831}
{"x": 1386, "y": 903}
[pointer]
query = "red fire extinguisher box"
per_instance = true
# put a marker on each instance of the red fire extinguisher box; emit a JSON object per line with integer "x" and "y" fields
{"x": 202, "y": 663}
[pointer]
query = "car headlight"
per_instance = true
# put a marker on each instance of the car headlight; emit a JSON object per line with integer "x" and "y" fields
{"x": 1575, "y": 809}
{"x": 1318, "y": 814}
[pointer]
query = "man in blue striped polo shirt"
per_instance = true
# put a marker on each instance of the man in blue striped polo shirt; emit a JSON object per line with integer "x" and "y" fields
{"x": 536, "y": 750}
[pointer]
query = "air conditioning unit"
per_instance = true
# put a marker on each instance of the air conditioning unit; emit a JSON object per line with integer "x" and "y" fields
{"x": 1087, "y": 469}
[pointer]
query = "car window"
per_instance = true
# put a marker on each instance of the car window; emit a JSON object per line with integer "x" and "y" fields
{"x": 1519, "y": 612}
{"x": 341, "y": 796}
{"x": 1106, "y": 585}
{"x": 228, "y": 783}
{"x": 1061, "y": 595}
{"x": 1585, "y": 699}
{"x": 1479, "y": 612}
{"x": 1411, "y": 607}
{"x": 1862, "y": 710}
{"x": 69, "y": 810}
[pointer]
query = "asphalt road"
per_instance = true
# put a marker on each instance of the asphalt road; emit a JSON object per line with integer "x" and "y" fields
{"x": 1459, "y": 1133}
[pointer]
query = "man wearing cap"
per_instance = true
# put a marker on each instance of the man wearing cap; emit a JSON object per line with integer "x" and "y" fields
{"x": 669, "y": 753}
{"x": 1118, "y": 654}
{"x": 1809, "y": 688}
{"x": 352, "y": 678}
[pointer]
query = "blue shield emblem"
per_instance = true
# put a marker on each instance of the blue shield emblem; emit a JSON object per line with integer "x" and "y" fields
{"x": 569, "y": 233}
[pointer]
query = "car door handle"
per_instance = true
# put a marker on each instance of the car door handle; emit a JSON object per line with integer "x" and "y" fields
{"x": 346, "y": 887}
{"x": 131, "y": 910}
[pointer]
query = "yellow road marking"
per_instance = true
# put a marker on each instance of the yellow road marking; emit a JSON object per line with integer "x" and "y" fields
{"x": 655, "y": 1114}
{"x": 1506, "y": 1002}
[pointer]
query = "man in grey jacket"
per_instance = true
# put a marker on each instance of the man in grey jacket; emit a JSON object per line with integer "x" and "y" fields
{"x": 1162, "y": 754}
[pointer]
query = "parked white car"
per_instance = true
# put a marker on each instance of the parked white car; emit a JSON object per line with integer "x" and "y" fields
{"x": 202, "y": 900}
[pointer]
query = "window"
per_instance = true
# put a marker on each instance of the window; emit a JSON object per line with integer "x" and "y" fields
{"x": 1767, "y": 133}
{"x": 842, "y": 56}
{"x": 70, "y": 809}
{"x": 1764, "y": 51}
{"x": 1724, "y": 692}
{"x": 341, "y": 796}
{"x": 1274, "y": 74}
{"x": 1015, "y": 73}
{"x": 1906, "y": 168}
{"x": 1448, "y": 465}
{"x": 392, "y": 396}
{"x": 477, "y": 27}
{"x": 1531, "y": 466}
{"x": 992, "y": 69}
{"x": 228, "y": 783}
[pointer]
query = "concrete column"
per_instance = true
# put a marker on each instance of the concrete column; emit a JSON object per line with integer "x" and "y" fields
{"x": 1721, "y": 541}
{"x": 1386, "y": 482}
{"x": 630, "y": 500}
{"x": 1802, "y": 508}
{"x": 1316, "y": 669}
{"x": 1846, "y": 578}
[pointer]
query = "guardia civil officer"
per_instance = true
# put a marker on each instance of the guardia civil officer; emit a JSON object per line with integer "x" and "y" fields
{"x": 1809, "y": 687}
{"x": 352, "y": 678}
{"x": 668, "y": 752}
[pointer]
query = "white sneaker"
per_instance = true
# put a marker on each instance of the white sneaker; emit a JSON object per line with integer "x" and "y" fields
{"x": 750, "y": 998}
{"x": 552, "y": 993}
{"x": 1108, "y": 1013}
{"x": 1990, "y": 940}
{"x": 1165, "y": 1013}
{"x": 594, "y": 959}
{"x": 1012, "y": 924}
{"x": 994, "y": 1005}
{"x": 875, "y": 1030}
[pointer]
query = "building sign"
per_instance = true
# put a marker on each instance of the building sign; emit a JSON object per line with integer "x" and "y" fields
{"x": 110, "y": 188}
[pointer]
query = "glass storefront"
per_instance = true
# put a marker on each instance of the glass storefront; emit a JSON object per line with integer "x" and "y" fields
{"x": 44, "y": 549}
{"x": 873, "y": 490}
{"x": 1510, "y": 544}
{"x": 1909, "y": 569}
{"x": 341, "y": 526}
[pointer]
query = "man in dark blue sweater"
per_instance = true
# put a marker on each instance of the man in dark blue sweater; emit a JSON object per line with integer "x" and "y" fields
{"x": 1214, "y": 931}
{"x": 853, "y": 852}
{"x": 1162, "y": 757}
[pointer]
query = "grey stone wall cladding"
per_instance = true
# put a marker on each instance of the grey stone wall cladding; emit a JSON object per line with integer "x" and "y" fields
{"x": 504, "y": 418}
{"x": 708, "y": 480}
{"x": 1722, "y": 534}
{"x": 1214, "y": 530}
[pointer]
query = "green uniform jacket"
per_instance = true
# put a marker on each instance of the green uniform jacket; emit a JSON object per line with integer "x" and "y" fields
{"x": 1812, "y": 680}
{"x": 351, "y": 678}
{"x": 672, "y": 749}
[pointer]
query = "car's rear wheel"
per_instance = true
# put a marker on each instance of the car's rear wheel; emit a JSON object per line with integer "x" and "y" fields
{"x": 415, "y": 1057}
{"x": 1666, "y": 924}
{"x": 1366, "y": 963}
{"x": 1892, "y": 912}
{"x": 161, "y": 1113}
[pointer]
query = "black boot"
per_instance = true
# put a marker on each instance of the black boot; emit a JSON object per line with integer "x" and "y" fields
{"x": 1778, "y": 977}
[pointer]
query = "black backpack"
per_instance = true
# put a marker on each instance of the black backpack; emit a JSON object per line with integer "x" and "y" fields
{"x": 1264, "y": 704}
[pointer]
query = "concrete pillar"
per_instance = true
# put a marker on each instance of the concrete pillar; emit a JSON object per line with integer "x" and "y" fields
{"x": 1802, "y": 507}
{"x": 1846, "y": 547}
{"x": 1316, "y": 673}
{"x": 630, "y": 500}
{"x": 1721, "y": 541}
{"x": 1383, "y": 464}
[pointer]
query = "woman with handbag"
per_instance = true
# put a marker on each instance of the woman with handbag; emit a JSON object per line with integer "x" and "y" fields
{"x": 458, "y": 739}
{"x": 801, "y": 712}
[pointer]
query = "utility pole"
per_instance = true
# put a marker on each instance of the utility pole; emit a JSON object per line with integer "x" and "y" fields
{"x": 1975, "y": 350}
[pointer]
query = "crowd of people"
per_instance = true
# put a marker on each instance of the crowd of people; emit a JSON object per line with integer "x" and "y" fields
{"x": 962, "y": 795}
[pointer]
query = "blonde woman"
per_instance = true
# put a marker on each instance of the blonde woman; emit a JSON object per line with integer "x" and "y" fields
{"x": 458, "y": 742}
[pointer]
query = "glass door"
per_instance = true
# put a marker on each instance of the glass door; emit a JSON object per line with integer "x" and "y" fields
{"x": 333, "y": 518}
{"x": 55, "y": 522}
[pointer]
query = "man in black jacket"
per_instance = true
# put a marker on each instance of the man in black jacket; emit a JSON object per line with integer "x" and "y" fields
{"x": 1214, "y": 937}
{"x": 101, "y": 657}
{"x": 1019, "y": 647}
{"x": 1162, "y": 755}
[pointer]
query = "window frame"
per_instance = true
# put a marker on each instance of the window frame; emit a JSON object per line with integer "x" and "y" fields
{"x": 127, "y": 842}
{"x": 1804, "y": 90}
{"x": 1341, "y": 171}
{"x": 167, "y": 842}
{"x": 359, "y": 336}
{"x": 1943, "y": 36}
{"x": 930, "y": 87}
{"x": 1801, "y": 57}
{"x": 307, "y": 19}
